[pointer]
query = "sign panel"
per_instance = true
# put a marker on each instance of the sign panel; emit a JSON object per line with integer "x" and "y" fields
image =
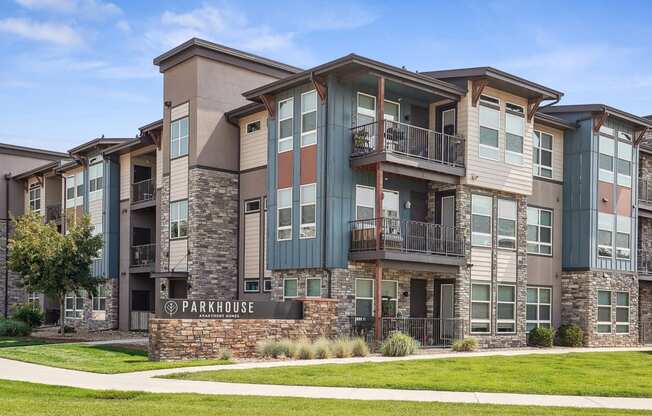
{"x": 229, "y": 309}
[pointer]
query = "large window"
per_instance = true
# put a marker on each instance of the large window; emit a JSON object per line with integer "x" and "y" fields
{"x": 480, "y": 308}
{"x": 489, "y": 127}
{"x": 539, "y": 231}
{"x": 604, "y": 312}
{"x": 506, "y": 224}
{"x": 179, "y": 138}
{"x": 364, "y": 297}
{"x": 365, "y": 203}
{"x": 481, "y": 207}
{"x": 75, "y": 189}
{"x": 284, "y": 214}
{"x": 70, "y": 190}
{"x": 514, "y": 132}
{"x": 308, "y": 210}
{"x": 389, "y": 298}
{"x": 95, "y": 178}
{"x": 309, "y": 118}
{"x": 290, "y": 288}
{"x": 313, "y": 287}
{"x": 35, "y": 198}
{"x": 285, "y": 124}
{"x": 367, "y": 109}
{"x": 74, "y": 305}
{"x": 606, "y": 160}
{"x": 99, "y": 301}
{"x": 542, "y": 163}
{"x": 622, "y": 312}
{"x": 179, "y": 219}
{"x": 605, "y": 234}
{"x": 624, "y": 164}
{"x": 506, "y": 309}
{"x": 623, "y": 239}
{"x": 539, "y": 301}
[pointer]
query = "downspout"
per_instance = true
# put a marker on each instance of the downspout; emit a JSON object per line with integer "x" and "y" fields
{"x": 7, "y": 193}
{"x": 325, "y": 203}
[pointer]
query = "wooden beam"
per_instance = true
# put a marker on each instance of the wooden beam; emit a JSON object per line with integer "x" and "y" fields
{"x": 320, "y": 86}
{"x": 156, "y": 139}
{"x": 598, "y": 120}
{"x": 477, "y": 86}
{"x": 639, "y": 135}
{"x": 533, "y": 106}
{"x": 270, "y": 104}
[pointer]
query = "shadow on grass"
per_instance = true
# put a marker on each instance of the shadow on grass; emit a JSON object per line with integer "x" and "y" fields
{"x": 21, "y": 342}
{"x": 132, "y": 351}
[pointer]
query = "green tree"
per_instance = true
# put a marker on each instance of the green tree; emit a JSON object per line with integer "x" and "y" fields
{"x": 53, "y": 263}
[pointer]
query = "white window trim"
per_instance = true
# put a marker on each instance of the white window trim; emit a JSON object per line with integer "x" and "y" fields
{"x": 621, "y": 179}
{"x": 515, "y": 219}
{"x": 305, "y": 133}
{"x": 480, "y": 100}
{"x": 373, "y": 302}
{"x": 520, "y": 155}
{"x": 611, "y": 312}
{"x": 488, "y": 302}
{"x": 289, "y": 138}
{"x": 491, "y": 224}
{"x": 484, "y": 146}
{"x": 71, "y": 180}
{"x": 538, "y": 304}
{"x": 78, "y": 313}
{"x": 176, "y": 204}
{"x": 629, "y": 239}
{"x": 613, "y": 237}
{"x": 244, "y": 288}
{"x": 98, "y": 298}
{"x": 288, "y": 279}
{"x": 393, "y": 300}
{"x": 247, "y": 210}
{"x": 91, "y": 178}
{"x": 302, "y": 204}
{"x": 260, "y": 127}
{"x": 611, "y": 172}
{"x": 522, "y": 112}
{"x": 539, "y": 226}
{"x": 358, "y": 106}
{"x": 357, "y": 204}
{"x": 32, "y": 200}
{"x": 278, "y": 215}
{"x": 506, "y": 321}
{"x": 538, "y": 150}
{"x": 177, "y": 142}
{"x": 629, "y": 316}
{"x": 313, "y": 278}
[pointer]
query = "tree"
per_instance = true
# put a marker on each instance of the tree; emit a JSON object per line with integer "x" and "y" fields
{"x": 52, "y": 263}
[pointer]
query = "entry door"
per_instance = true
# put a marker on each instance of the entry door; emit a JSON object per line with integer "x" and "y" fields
{"x": 447, "y": 221}
{"x": 446, "y": 312}
{"x": 417, "y": 298}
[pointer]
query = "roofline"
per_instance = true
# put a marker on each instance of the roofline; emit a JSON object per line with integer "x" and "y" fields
{"x": 598, "y": 108}
{"x": 451, "y": 89}
{"x": 68, "y": 165}
{"x": 552, "y": 121}
{"x": 152, "y": 125}
{"x": 96, "y": 142}
{"x": 33, "y": 150}
{"x": 38, "y": 169}
{"x": 123, "y": 146}
{"x": 243, "y": 111}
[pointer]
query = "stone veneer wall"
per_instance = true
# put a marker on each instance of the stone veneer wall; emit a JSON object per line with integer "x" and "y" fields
{"x": 110, "y": 321}
{"x": 579, "y": 291}
{"x": 645, "y": 311}
{"x": 184, "y": 339}
{"x": 16, "y": 293}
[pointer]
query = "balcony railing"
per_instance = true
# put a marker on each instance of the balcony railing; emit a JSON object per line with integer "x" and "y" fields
{"x": 143, "y": 255}
{"x": 644, "y": 259}
{"x": 139, "y": 320}
{"x": 407, "y": 236}
{"x": 53, "y": 213}
{"x": 412, "y": 141}
{"x": 429, "y": 332}
{"x": 142, "y": 191}
{"x": 645, "y": 190}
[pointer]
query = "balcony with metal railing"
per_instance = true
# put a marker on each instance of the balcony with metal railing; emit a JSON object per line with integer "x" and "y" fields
{"x": 143, "y": 192}
{"x": 644, "y": 263}
{"x": 645, "y": 197}
{"x": 143, "y": 257}
{"x": 53, "y": 213}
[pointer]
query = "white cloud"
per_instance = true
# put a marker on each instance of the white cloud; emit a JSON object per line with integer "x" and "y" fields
{"x": 351, "y": 16}
{"x": 123, "y": 26}
{"x": 93, "y": 9}
{"x": 59, "y": 34}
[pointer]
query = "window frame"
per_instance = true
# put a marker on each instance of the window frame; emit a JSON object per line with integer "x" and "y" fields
{"x": 178, "y": 220}
{"x": 515, "y": 220}
{"x": 605, "y": 175}
{"x": 538, "y": 322}
{"x": 618, "y": 248}
{"x": 252, "y": 123}
{"x": 502, "y": 302}
{"x": 509, "y": 154}
{"x": 373, "y": 282}
{"x": 101, "y": 296}
{"x": 248, "y": 280}
{"x": 180, "y": 139}
{"x": 491, "y": 224}
{"x": 287, "y": 279}
{"x": 278, "y": 214}
{"x": 77, "y": 313}
{"x": 483, "y": 102}
{"x": 247, "y": 209}
{"x": 484, "y": 302}
{"x": 612, "y": 232}
{"x": 307, "y": 225}
{"x": 604, "y": 306}
{"x": 305, "y": 133}
{"x": 70, "y": 179}
{"x": 267, "y": 280}
{"x": 290, "y": 138}
{"x": 538, "y": 150}
{"x": 622, "y": 179}
{"x": 390, "y": 300}
{"x": 32, "y": 199}
{"x": 539, "y": 226}
{"x": 94, "y": 179}
{"x": 308, "y": 295}
{"x": 620, "y": 324}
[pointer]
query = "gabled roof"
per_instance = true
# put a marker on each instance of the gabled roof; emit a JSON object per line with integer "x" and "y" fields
{"x": 552, "y": 121}
{"x": 599, "y": 108}
{"x": 31, "y": 152}
{"x": 151, "y": 126}
{"x": 243, "y": 111}
{"x": 41, "y": 169}
{"x": 99, "y": 142}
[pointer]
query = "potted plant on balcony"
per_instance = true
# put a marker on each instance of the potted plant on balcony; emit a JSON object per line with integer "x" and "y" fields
{"x": 361, "y": 142}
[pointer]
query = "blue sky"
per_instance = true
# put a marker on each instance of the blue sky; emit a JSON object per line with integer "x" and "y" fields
{"x": 73, "y": 70}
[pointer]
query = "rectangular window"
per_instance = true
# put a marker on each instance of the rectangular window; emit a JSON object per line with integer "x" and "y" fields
{"x": 99, "y": 301}
{"x": 308, "y": 118}
{"x": 284, "y": 214}
{"x": 489, "y": 127}
{"x": 313, "y": 287}
{"x": 95, "y": 177}
{"x": 389, "y": 296}
{"x": 539, "y": 302}
{"x": 366, "y": 109}
{"x": 365, "y": 203}
{"x": 623, "y": 230}
{"x": 605, "y": 234}
{"x": 514, "y": 132}
{"x": 79, "y": 183}
{"x": 507, "y": 224}
{"x": 252, "y": 205}
{"x": 622, "y": 312}
{"x": 33, "y": 297}
{"x": 253, "y": 127}
{"x": 179, "y": 138}
{"x": 251, "y": 285}
{"x": 624, "y": 164}
{"x": 70, "y": 191}
{"x": 364, "y": 297}
{"x": 480, "y": 308}
{"x": 35, "y": 198}
{"x": 606, "y": 160}
{"x": 267, "y": 285}
{"x": 308, "y": 211}
{"x": 285, "y": 124}
{"x": 542, "y": 155}
{"x": 179, "y": 219}
{"x": 539, "y": 231}
{"x": 506, "y": 309}
{"x": 74, "y": 305}
{"x": 604, "y": 311}
{"x": 290, "y": 288}
{"x": 481, "y": 207}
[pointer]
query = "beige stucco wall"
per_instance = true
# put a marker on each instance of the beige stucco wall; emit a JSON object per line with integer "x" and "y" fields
{"x": 253, "y": 146}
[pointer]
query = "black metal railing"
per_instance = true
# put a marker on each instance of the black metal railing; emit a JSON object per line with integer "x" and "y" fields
{"x": 408, "y": 236}
{"x": 645, "y": 190}
{"x": 142, "y": 191}
{"x": 411, "y": 141}
{"x": 429, "y": 332}
{"x": 143, "y": 255}
{"x": 53, "y": 213}
{"x": 644, "y": 261}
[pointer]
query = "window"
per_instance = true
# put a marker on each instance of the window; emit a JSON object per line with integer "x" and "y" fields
{"x": 514, "y": 108}
{"x": 179, "y": 219}
{"x": 308, "y": 118}
{"x": 506, "y": 309}
{"x": 539, "y": 231}
{"x": 79, "y": 181}
{"x": 539, "y": 301}
{"x": 74, "y": 305}
{"x": 392, "y": 111}
{"x": 365, "y": 203}
{"x": 542, "y": 163}
{"x": 285, "y": 124}
{"x": 489, "y": 100}
{"x": 514, "y": 132}
{"x": 622, "y": 312}
{"x": 606, "y": 162}
{"x": 267, "y": 285}
{"x": 367, "y": 109}
{"x": 448, "y": 121}
{"x": 624, "y": 164}
{"x": 179, "y": 138}
{"x": 251, "y": 285}
{"x": 623, "y": 229}
{"x": 75, "y": 189}
{"x": 364, "y": 297}
{"x": 604, "y": 311}
{"x": 35, "y": 298}
{"x": 35, "y": 198}
{"x": 480, "y": 308}
{"x": 95, "y": 177}
{"x": 308, "y": 210}
{"x": 389, "y": 296}
{"x": 507, "y": 224}
{"x": 489, "y": 126}
{"x": 70, "y": 191}
{"x": 99, "y": 301}
{"x": 290, "y": 288}
{"x": 252, "y": 206}
{"x": 481, "y": 207}
{"x": 253, "y": 127}
{"x": 284, "y": 214}
{"x": 605, "y": 234}
{"x": 313, "y": 287}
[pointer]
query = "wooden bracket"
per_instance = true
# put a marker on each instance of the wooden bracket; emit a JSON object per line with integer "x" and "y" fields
{"x": 639, "y": 135}
{"x": 156, "y": 139}
{"x": 477, "y": 86}
{"x": 320, "y": 86}
{"x": 598, "y": 120}
{"x": 533, "y": 106}
{"x": 270, "y": 105}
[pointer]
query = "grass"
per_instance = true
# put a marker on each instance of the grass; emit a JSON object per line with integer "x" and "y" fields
{"x": 104, "y": 359}
{"x": 625, "y": 374}
{"x": 25, "y": 399}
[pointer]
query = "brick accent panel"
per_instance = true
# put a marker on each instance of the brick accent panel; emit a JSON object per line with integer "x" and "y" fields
{"x": 110, "y": 321}
{"x": 184, "y": 339}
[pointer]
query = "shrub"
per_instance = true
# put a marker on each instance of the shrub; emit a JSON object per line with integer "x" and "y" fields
{"x": 398, "y": 344}
{"x": 359, "y": 347}
{"x": 342, "y": 347}
{"x": 225, "y": 354}
{"x": 322, "y": 348}
{"x": 570, "y": 336}
{"x": 288, "y": 348}
{"x": 305, "y": 350}
{"x": 30, "y": 313}
{"x": 14, "y": 328}
{"x": 270, "y": 349}
{"x": 541, "y": 337}
{"x": 465, "y": 345}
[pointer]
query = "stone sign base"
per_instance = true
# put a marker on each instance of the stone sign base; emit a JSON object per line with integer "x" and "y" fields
{"x": 187, "y": 339}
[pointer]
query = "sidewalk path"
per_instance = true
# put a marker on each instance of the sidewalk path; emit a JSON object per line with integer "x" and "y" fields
{"x": 145, "y": 381}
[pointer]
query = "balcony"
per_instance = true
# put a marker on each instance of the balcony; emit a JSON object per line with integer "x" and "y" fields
{"x": 53, "y": 213}
{"x": 645, "y": 197}
{"x": 143, "y": 257}
{"x": 143, "y": 193}
{"x": 404, "y": 240}
{"x": 409, "y": 148}
{"x": 644, "y": 264}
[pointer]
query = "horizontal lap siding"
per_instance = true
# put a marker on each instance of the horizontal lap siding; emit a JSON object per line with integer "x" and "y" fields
{"x": 506, "y": 266}
{"x": 253, "y": 146}
{"x": 179, "y": 255}
{"x": 481, "y": 260}
{"x": 179, "y": 179}
{"x": 125, "y": 177}
{"x": 252, "y": 245}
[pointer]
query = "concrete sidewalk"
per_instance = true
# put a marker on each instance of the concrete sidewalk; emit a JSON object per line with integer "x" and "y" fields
{"x": 145, "y": 381}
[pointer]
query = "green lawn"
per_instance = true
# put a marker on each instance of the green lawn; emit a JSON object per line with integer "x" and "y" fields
{"x": 25, "y": 399}
{"x": 95, "y": 358}
{"x": 626, "y": 374}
